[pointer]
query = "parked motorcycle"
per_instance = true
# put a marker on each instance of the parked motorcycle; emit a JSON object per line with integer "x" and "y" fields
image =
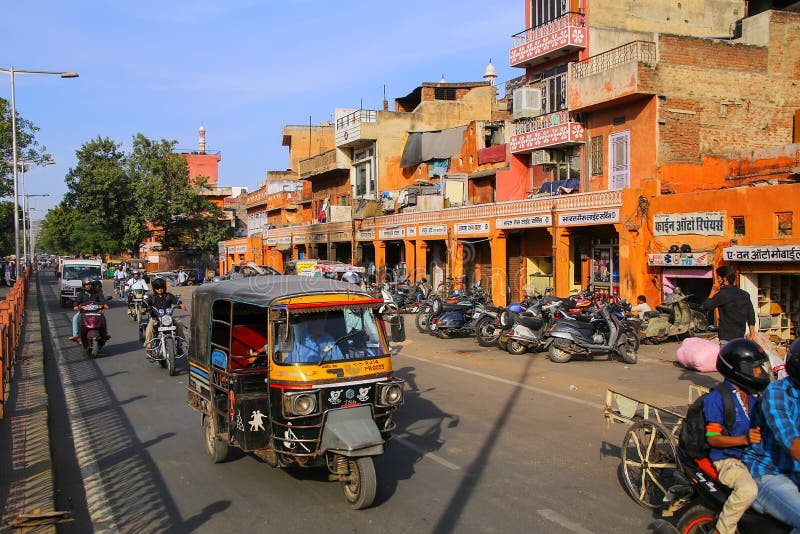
{"x": 165, "y": 347}
{"x": 93, "y": 333}
{"x": 451, "y": 320}
{"x": 668, "y": 320}
{"x": 526, "y": 330}
{"x": 606, "y": 333}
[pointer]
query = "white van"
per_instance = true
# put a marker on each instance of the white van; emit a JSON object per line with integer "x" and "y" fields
{"x": 71, "y": 274}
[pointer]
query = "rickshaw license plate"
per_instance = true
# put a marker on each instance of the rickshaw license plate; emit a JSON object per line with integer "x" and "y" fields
{"x": 166, "y": 328}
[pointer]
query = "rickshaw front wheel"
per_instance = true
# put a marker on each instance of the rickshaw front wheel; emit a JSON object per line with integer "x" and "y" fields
{"x": 361, "y": 484}
{"x": 216, "y": 449}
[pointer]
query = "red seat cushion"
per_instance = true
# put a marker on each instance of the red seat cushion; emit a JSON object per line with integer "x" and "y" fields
{"x": 707, "y": 467}
{"x": 244, "y": 340}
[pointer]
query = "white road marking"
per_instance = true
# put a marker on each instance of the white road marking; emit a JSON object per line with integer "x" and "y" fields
{"x": 504, "y": 381}
{"x": 555, "y": 517}
{"x": 96, "y": 499}
{"x": 419, "y": 450}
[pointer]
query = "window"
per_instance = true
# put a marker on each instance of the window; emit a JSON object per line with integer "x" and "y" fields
{"x": 343, "y": 200}
{"x": 597, "y": 155}
{"x": 784, "y": 221}
{"x": 553, "y": 83}
{"x": 364, "y": 164}
{"x": 444, "y": 93}
{"x": 738, "y": 225}
{"x": 544, "y": 11}
{"x": 619, "y": 157}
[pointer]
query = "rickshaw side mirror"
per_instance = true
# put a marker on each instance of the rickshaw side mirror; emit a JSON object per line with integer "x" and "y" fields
{"x": 285, "y": 338}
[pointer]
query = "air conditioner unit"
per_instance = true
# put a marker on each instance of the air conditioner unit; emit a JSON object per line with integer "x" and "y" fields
{"x": 527, "y": 102}
{"x": 542, "y": 157}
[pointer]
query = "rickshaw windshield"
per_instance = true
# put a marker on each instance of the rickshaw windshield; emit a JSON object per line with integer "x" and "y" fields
{"x": 319, "y": 337}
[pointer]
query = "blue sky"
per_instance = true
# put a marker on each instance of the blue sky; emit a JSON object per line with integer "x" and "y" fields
{"x": 242, "y": 68}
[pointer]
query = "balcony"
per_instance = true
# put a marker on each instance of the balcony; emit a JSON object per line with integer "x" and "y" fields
{"x": 553, "y": 130}
{"x": 355, "y": 128}
{"x": 285, "y": 200}
{"x": 322, "y": 163}
{"x": 561, "y": 37}
{"x": 613, "y": 77}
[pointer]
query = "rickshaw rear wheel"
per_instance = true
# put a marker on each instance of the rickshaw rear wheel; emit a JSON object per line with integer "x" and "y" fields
{"x": 216, "y": 449}
{"x": 361, "y": 485}
{"x": 648, "y": 463}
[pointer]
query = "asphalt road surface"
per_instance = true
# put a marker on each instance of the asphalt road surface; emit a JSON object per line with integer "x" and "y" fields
{"x": 486, "y": 442}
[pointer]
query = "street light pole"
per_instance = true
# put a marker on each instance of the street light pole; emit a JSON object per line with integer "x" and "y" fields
{"x": 30, "y": 226}
{"x": 11, "y": 71}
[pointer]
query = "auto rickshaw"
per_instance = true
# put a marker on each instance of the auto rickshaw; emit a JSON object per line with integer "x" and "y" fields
{"x": 296, "y": 371}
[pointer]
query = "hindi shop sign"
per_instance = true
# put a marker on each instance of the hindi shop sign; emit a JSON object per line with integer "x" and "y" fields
{"x": 525, "y": 221}
{"x": 479, "y": 227}
{"x": 298, "y": 239}
{"x": 686, "y": 259}
{"x": 776, "y": 254}
{"x": 433, "y": 229}
{"x": 583, "y": 218}
{"x": 365, "y": 235}
{"x": 699, "y": 222}
{"x": 392, "y": 233}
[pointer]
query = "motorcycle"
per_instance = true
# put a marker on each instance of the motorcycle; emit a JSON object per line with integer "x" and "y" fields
{"x": 697, "y": 489}
{"x": 450, "y": 320}
{"x": 165, "y": 347}
{"x": 92, "y": 328}
{"x": 526, "y": 330}
{"x": 136, "y": 305}
{"x": 485, "y": 324}
{"x": 675, "y": 319}
{"x": 606, "y": 333}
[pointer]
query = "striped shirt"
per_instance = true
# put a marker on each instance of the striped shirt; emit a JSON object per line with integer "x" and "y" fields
{"x": 779, "y": 418}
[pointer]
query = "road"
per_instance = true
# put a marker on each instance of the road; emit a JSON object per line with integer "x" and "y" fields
{"x": 486, "y": 442}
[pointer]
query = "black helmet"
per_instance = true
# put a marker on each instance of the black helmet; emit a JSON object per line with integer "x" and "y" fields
{"x": 674, "y": 249}
{"x": 87, "y": 281}
{"x": 792, "y": 362}
{"x": 736, "y": 362}
{"x": 686, "y": 248}
{"x": 159, "y": 283}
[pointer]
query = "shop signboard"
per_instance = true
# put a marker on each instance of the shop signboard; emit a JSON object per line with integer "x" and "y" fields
{"x": 524, "y": 221}
{"x": 241, "y": 249}
{"x": 221, "y": 249}
{"x": 319, "y": 238}
{"x": 411, "y": 231}
{"x": 341, "y": 236}
{"x": 285, "y": 240}
{"x": 392, "y": 233}
{"x": 698, "y": 222}
{"x": 678, "y": 259}
{"x": 231, "y": 250}
{"x": 776, "y": 254}
{"x": 299, "y": 239}
{"x": 366, "y": 235}
{"x": 271, "y": 241}
{"x": 478, "y": 227}
{"x": 433, "y": 229}
{"x": 584, "y": 218}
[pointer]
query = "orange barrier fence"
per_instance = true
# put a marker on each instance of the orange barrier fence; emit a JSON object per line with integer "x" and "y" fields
{"x": 12, "y": 312}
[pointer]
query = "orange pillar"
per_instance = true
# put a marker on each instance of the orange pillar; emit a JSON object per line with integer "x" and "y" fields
{"x": 561, "y": 262}
{"x": 499, "y": 275}
{"x": 411, "y": 258}
{"x": 420, "y": 260}
{"x": 380, "y": 260}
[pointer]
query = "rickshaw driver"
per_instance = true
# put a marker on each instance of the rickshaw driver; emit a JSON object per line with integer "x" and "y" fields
{"x": 313, "y": 341}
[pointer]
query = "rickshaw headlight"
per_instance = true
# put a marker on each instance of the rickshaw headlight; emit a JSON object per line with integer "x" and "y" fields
{"x": 300, "y": 403}
{"x": 390, "y": 393}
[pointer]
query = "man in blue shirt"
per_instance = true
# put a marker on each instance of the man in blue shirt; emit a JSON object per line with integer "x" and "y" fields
{"x": 775, "y": 462}
{"x": 741, "y": 363}
{"x": 314, "y": 341}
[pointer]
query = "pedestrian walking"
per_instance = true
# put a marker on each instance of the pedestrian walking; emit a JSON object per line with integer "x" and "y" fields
{"x": 737, "y": 317}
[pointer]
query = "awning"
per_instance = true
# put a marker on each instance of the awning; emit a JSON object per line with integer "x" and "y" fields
{"x": 284, "y": 247}
{"x": 688, "y": 272}
{"x": 425, "y": 146}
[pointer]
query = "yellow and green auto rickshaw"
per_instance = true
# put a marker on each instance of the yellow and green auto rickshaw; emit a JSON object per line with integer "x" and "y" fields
{"x": 297, "y": 371}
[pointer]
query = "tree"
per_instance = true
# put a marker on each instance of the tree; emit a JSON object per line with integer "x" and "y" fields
{"x": 58, "y": 230}
{"x": 7, "y": 222}
{"x": 28, "y": 149}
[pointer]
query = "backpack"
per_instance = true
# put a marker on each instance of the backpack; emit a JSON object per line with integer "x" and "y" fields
{"x": 692, "y": 435}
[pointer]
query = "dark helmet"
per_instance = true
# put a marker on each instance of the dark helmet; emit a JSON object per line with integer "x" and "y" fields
{"x": 792, "y": 362}
{"x": 87, "y": 281}
{"x": 686, "y": 248}
{"x": 159, "y": 283}
{"x": 736, "y": 362}
{"x": 674, "y": 249}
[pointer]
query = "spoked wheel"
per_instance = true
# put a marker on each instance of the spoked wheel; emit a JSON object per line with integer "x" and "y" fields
{"x": 697, "y": 520}
{"x": 170, "y": 357}
{"x": 422, "y": 320}
{"x": 216, "y": 449}
{"x": 516, "y": 348}
{"x": 648, "y": 463}
{"x": 486, "y": 333}
{"x": 361, "y": 484}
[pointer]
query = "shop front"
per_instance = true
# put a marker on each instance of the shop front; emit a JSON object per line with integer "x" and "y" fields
{"x": 689, "y": 272}
{"x": 529, "y": 250}
{"x": 433, "y": 256}
{"x": 365, "y": 252}
{"x": 593, "y": 250}
{"x": 394, "y": 249}
{"x": 299, "y": 246}
{"x": 342, "y": 246}
{"x": 475, "y": 253}
{"x": 318, "y": 248}
{"x": 771, "y": 274}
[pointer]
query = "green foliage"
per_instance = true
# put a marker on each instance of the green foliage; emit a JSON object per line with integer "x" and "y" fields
{"x": 28, "y": 149}
{"x": 114, "y": 200}
{"x": 7, "y": 222}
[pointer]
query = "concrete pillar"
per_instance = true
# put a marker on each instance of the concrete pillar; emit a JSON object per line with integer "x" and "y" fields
{"x": 456, "y": 255}
{"x": 561, "y": 262}
{"x": 499, "y": 266}
{"x": 411, "y": 258}
{"x": 380, "y": 260}
{"x": 420, "y": 260}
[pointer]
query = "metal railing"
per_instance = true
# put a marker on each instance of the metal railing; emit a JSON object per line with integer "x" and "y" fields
{"x": 541, "y": 122}
{"x": 12, "y": 311}
{"x": 356, "y": 117}
{"x": 639, "y": 51}
{"x": 548, "y": 28}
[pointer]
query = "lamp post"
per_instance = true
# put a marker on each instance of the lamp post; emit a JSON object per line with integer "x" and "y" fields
{"x": 11, "y": 72}
{"x": 29, "y": 253}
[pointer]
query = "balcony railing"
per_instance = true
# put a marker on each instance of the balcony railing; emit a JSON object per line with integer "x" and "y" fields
{"x": 538, "y": 43}
{"x": 638, "y": 51}
{"x": 356, "y": 117}
{"x": 350, "y": 129}
{"x": 546, "y": 131}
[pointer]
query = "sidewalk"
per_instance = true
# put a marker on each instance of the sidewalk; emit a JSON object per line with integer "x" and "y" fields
{"x": 26, "y": 470}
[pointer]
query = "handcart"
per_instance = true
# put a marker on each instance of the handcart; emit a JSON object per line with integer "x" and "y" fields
{"x": 648, "y": 452}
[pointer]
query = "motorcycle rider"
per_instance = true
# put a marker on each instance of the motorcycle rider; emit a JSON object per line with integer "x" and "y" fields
{"x": 135, "y": 282}
{"x": 161, "y": 299}
{"x": 775, "y": 462}
{"x": 120, "y": 277}
{"x": 741, "y": 362}
{"x": 91, "y": 293}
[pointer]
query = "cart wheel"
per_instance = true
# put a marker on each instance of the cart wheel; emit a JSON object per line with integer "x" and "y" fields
{"x": 648, "y": 463}
{"x": 361, "y": 484}
{"x": 216, "y": 449}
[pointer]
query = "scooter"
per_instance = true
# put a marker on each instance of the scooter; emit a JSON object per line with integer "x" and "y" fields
{"x": 453, "y": 319}
{"x": 93, "y": 333}
{"x": 674, "y": 319}
{"x": 528, "y": 329}
{"x": 699, "y": 496}
{"x": 606, "y": 333}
